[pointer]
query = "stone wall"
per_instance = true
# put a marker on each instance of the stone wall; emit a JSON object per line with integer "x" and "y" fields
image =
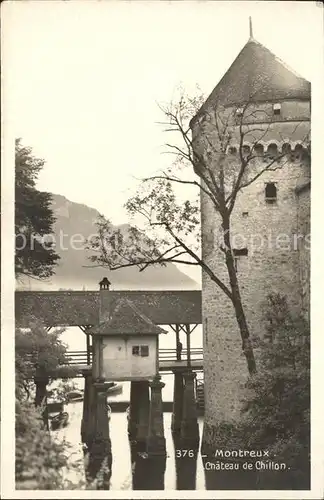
{"x": 269, "y": 231}
{"x": 303, "y": 196}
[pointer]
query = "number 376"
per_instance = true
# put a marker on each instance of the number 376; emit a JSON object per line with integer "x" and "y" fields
{"x": 185, "y": 453}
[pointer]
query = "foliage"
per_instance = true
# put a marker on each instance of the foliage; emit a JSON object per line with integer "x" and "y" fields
{"x": 37, "y": 353}
{"x": 39, "y": 460}
{"x": 276, "y": 411}
{"x": 35, "y": 254}
{"x": 280, "y": 392}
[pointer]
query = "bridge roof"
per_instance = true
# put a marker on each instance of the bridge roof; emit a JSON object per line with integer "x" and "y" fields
{"x": 80, "y": 308}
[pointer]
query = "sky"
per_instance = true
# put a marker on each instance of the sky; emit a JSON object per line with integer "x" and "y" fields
{"x": 84, "y": 80}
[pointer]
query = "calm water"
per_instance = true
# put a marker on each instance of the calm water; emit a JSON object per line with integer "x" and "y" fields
{"x": 173, "y": 477}
{"x": 122, "y": 477}
{"x": 169, "y": 474}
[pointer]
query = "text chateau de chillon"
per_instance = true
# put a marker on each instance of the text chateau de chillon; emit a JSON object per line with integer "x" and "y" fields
{"x": 271, "y": 218}
{"x": 275, "y": 205}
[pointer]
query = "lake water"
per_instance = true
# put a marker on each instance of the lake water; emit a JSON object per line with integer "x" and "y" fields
{"x": 190, "y": 473}
{"x": 170, "y": 474}
{"x": 122, "y": 477}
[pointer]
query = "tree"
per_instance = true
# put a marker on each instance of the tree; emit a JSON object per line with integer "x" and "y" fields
{"x": 171, "y": 230}
{"x": 35, "y": 255}
{"x": 39, "y": 355}
{"x": 39, "y": 460}
{"x": 277, "y": 410}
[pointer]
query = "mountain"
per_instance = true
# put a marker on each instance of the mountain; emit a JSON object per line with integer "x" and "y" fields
{"x": 77, "y": 219}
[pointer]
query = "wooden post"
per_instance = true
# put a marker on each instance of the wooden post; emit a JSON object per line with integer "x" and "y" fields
{"x": 100, "y": 457}
{"x": 188, "y": 345}
{"x": 133, "y": 417}
{"x": 87, "y": 422}
{"x": 156, "y": 439}
{"x": 177, "y": 331}
{"x": 88, "y": 348}
{"x": 177, "y": 401}
{"x": 189, "y": 424}
{"x": 97, "y": 357}
{"x": 143, "y": 415}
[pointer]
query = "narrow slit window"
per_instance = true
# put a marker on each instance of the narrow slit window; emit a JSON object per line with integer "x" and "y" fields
{"x": 238, "y": 254}
{"x": 271, "y": 192}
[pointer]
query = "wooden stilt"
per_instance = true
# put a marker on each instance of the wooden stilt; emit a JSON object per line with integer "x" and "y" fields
{"x": 189, "y": 424}
{"x": 178, "y": 389}
{"x": 143, "y": 415}
{"x": 133, "y": 417}
{"x": 87, "y": 423}
{"x": 100, "y": 456}
{"x": 156, "y": 439}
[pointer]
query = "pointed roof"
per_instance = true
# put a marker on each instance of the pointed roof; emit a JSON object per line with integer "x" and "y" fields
{"x": 127, "y": 319}
{"x": 257, "y": 75}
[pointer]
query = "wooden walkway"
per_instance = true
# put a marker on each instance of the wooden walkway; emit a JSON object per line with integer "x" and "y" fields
{"x": 167, "y": 360}
{"x": 165, "y": 356}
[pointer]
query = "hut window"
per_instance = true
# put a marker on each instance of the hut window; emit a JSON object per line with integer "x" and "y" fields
{"x": 144, "y": 350}
{"x": 277, "y": 109}
{"x": 140, "y": 350}
{"x": 135, "y": 350}
{"x": 270, "y": 192}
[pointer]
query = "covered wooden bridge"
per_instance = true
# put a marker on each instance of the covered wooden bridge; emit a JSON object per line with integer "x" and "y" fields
{"x": 91, "y": 311}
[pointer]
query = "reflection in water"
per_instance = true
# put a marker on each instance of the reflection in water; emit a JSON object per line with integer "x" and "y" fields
{"x": 185, "y": 453}
{"x": 235, "y": 477}
{"x": 148, "y": 472}
{"x": 154, "y": 474}
{"x": 98, "y": 466}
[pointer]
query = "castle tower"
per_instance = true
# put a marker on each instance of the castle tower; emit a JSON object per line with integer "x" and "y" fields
{"x": 270, "y": 218}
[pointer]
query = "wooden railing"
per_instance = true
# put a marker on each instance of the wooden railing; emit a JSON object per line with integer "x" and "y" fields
{"x": 80, "y": 357}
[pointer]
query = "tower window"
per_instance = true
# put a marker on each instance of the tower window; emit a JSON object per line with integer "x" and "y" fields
{"x": 277, "y": 109}
{"x": 238, "y": 254}
{"x": 270, "y": 192}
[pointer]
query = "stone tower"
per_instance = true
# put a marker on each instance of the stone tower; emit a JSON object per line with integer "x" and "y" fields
{"x": 271, "y": 217}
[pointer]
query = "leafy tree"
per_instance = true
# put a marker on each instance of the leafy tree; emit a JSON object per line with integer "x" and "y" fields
{"x": 171, "y": 219}
{"x": 276, "y": 408}
{"x": 280, "y": 397}
{"x": 35, "y": 255}
{"x": 40, "y": 356}
{"x": 39, "y": 459}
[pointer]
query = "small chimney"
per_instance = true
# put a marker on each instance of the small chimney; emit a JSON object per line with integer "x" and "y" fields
{"x": 105, "y": 299}
{"x": 104, "y": 284}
